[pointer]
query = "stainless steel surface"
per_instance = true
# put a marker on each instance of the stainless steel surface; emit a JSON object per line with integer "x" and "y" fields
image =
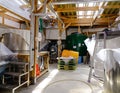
{"x": 112, "y": 80}
{"x": 15, "y": 42}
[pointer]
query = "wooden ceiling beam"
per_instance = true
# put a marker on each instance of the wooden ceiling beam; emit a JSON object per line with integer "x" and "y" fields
{"x": 87, "y": 21}
{"x": 108, "y": 15}
{"x": 88, "y": 24}
{"x": 80, "y": 24}
{"x": 105, "y": 19}
{"x": 25, "y": 6}
{"x": 72, "y": 16}
{"x": 71, "y": 9}
{"x": 10, "y": 18}
{"x": 111, "y": 6}
{"x": 66, "y": 26}
{"x": 1, "y": 7}
{"x": 41, "y": 7}
{"x": 4, "y": 25}
{"x": 82, "y": 20}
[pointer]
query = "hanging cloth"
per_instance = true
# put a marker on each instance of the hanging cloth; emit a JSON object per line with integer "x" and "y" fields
{"x": 41, "y": 25}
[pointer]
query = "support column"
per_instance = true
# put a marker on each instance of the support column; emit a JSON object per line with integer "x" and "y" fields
{"x": 59, "y": 38}
{"x": 79, "y": 29}
{"x": 33, "y": 40}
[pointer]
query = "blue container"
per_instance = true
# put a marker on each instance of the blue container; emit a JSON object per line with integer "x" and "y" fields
{"x": 80, "y": 59}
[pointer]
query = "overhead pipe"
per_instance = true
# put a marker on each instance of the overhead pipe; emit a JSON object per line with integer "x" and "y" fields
{"x": 77, "y": 1}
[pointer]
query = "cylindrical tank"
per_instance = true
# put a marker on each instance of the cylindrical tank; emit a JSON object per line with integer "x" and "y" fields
{"x": 75, "y": 42}
{"x": 15, "y": 42}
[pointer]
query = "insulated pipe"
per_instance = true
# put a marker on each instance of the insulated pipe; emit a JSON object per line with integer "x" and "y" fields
{"x": 78, "y": 1}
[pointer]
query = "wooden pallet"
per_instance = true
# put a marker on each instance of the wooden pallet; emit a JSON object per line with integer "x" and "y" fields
{"x": 71, "y": 62}
{"x": 67, "y": 67}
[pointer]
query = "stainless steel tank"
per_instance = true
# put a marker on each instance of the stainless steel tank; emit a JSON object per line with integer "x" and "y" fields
{"x": 15, "y": 42}
{"x": 112, "y": 76}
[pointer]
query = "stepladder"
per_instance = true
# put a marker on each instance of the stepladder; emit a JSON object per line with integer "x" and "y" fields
{"x": 96, "y": 66}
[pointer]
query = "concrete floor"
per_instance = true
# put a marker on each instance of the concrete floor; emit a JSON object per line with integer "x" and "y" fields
{"x": 63, "y": 81}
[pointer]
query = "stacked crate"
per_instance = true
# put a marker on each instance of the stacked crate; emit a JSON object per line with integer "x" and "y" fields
{"x": 70, "y": 65}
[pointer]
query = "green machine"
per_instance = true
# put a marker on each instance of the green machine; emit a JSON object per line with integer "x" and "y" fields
{"x": 75, "y": 42}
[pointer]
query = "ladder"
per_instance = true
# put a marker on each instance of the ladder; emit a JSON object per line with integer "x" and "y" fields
{"x": 99, "y": 44}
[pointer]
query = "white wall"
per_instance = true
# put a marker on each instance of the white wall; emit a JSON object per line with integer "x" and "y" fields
{"x": 11, "y": 23}
{"x": 93, "y": 29}
{"x": 53, "y": 34}
{"x": 72, "y": 30}
{"x": 0, "y": 19}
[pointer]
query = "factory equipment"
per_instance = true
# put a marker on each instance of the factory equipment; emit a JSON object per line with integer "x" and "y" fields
{"x": 108, "y": 57}
{"x": 75, "y": 42}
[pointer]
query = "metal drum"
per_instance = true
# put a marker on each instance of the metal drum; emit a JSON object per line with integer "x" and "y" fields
{"x": 112, "y": 80}
{"x": 15, "y": 42}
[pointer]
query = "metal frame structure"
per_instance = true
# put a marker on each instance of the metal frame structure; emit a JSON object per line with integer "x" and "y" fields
{"x": 12, "y": 72}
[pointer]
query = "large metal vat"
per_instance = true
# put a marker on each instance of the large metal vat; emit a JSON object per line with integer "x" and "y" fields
{"x": 112, "y": 72}
{"x": 112, "y": 80}
{"x": 75, "y": 42}
{"x": 111, "y": 61}
{"x": 15, "y": 42}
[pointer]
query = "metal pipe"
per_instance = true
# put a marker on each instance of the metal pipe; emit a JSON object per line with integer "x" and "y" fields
{"x": 77, "y": 1}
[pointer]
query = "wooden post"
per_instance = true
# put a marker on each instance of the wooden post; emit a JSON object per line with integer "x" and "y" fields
{"x": 34, "y": 36}
{"x": 33, "y": 40}
{"x": 79, "y": 29}
{"x": 59, "y": 38}
{"x": 3, "y": 20}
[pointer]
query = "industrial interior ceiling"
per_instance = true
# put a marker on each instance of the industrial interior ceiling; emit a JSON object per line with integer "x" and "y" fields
{"x": 83, "y": 13}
